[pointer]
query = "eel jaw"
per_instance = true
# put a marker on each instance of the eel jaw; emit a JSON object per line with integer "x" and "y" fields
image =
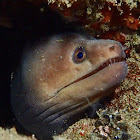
{"x": 107, "y": 63}
{"x": 94, "y": 85}
{"x": 90, "y": 88}
{"x": 76, "y": 97}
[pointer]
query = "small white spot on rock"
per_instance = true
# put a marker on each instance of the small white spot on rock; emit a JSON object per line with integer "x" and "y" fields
{"x": 116, "y": 111}
{"x": 118, "y": 128}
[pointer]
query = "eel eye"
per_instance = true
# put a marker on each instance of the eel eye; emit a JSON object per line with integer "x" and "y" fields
{"x": 79, "y": 55}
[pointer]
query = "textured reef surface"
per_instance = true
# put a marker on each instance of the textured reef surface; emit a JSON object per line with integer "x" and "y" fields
{"x": 108, "y": 19}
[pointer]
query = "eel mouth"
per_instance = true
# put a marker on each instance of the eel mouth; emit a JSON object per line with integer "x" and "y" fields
{"x": 90, "y": 100}
{"x": 107, "y": 63}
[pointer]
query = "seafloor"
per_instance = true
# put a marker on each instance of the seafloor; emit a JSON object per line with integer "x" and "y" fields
{"x": 120, "y": 119}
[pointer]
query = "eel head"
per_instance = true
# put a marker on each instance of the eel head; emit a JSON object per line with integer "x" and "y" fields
{"x": 60, "y": 79}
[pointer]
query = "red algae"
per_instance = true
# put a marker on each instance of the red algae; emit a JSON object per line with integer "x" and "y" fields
{"x": 102, "y": 18}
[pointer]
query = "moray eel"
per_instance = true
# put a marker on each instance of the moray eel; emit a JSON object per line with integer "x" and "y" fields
{"x": 60, "y": 78}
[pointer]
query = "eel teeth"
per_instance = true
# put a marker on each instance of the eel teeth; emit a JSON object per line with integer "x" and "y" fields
{"x": 110, "y": 61}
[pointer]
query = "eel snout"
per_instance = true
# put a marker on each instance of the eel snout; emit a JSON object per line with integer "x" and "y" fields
{"x": 59, "y": 79}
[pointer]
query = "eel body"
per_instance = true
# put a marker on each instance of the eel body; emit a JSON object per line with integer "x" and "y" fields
{"x": 60, "y": 78}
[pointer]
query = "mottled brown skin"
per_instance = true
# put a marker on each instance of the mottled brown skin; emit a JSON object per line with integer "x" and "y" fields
{"x": 47, "y": 96}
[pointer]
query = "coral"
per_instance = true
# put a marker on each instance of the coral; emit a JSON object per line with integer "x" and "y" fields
{"x": 68, "y": 3}
{"x": 11, "y": 134}
{"x": 103, "y": 17}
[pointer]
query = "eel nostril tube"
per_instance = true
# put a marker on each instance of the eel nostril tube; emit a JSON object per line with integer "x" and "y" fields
{"x": 112, "y": 48}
